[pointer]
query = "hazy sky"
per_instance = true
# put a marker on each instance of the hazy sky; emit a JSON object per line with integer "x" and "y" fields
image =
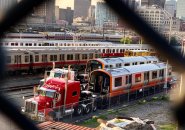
{"x": 69, "y": 3}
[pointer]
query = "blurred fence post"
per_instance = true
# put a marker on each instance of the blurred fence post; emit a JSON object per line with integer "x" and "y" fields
{"x": 72, "y": 111}
{"x": 109, "y": 101}
{"x": 143, "y": 92}
{"x": 119, "y": 99}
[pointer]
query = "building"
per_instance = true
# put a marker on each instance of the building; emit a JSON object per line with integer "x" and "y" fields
{"x": 80, "y": 22}
{"x": 152, "y": 15}
{"x": 81, "y": 8}
{"x": 57, "y": 12}
{"x": 66, "y": 14}
{"x": 131, "y": 3}
{"x": 182, "y": 25}
{"x": 104, "y": 14}
{"x": 34, "y": 20}
{"x": 46, "y": 10}
{"x": 160, "y": 3}
{"x": 91, "y": 15}
{"x": 181, "y": 9}
{"x": 175, "y": 24}
{"x": 171, "y": 7}
{"x": 160, "y": 19}
{"x": 5, "y": 5}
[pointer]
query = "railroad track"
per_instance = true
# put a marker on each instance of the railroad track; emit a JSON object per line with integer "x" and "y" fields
{"x": 17, "y": 88}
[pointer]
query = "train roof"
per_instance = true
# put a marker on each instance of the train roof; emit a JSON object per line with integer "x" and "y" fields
{"x": 52, "y": 51}
{"x": 127, "y": 59}
{"x": 151, "y": 58}
{"x": 113, "y": 46}
{"x": 134, "y": 69}
{"x": 139, "y": 50}
{"x": 50, "y": 41}
{"x": 21, "y": 40}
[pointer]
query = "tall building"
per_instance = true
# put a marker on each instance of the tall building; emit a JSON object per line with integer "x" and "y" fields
{"x": 81, "y": 8}
{"x": 171, "y": 6}
{"x": 131, "y": 3}
{"x": 5, "y": 5}
{"x": 152, "y": 15}
{"x": 57, "y": 12}
{"x": 159, "y": 19}
{"x": 91, "y": 15}
{"x": 160, "y": 3}
{"x": 46, "y": 10}
{"x": 104, "y": 15}
{"x": 67, "y": 15}
{"x": 181, "y": 9}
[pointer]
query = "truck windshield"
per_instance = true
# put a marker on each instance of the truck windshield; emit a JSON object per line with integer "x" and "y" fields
{"x": 57, "y": 75}
{"x": 47, "y": 93}
{"x": 93, "y": 65}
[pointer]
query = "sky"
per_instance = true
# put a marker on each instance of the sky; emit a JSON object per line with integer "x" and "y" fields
{"x": 69, "y": 3}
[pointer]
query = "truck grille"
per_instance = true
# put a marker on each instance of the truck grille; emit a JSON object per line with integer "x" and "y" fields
{"x": 30, "y": 107}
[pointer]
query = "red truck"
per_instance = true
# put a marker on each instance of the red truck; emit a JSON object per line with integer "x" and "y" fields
{"x": 58, "y": 97}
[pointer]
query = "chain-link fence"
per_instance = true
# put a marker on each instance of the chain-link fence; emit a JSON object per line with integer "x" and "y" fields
{"x": 26, "y": 6}
{"x": 99, "y": 103}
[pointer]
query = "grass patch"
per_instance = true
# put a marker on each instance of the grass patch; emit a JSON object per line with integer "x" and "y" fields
{"x": 142, "y": 101}
{"x": 161, "y": 98}
{"x": 113, "y": 112}
{"x": 168, "y": 127}
{"x": 165, "y": 98}
{"x": 93, "y": 121}
{"x": 155, "y": 98}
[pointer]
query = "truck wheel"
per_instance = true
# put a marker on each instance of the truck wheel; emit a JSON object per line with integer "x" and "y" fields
{"x": 79, "y": 110}
{"x": 87, "y": 109}
{"x": 52, "y": 115}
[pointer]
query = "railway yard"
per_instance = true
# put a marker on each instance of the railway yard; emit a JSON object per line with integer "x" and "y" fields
{"x": 98, "y": 80}
{"x": 155, "y": 107}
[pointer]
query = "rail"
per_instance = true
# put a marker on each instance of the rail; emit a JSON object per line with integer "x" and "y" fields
{"x": 24, "y": 7}
{"x": 15, "y": 88}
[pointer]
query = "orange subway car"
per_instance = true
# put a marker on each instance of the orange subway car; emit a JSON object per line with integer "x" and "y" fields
{"x": 118, "y": 81}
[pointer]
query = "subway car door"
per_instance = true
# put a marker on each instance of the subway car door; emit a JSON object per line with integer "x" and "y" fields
{"x": 146, "y": 78}
{"x": 44, "y": 61}
{"x": 31, "y": 63}
{"x": 17, "y": 62}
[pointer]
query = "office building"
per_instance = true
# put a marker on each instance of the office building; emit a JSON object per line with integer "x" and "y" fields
{"x": 181, "y": 9}
{"x": 81, "y": 8}
{"x": 171, "y": 7}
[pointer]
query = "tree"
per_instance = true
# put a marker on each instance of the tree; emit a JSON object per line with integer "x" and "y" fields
{"x": 126, "y": 40}
{"x": 174, "y": 41}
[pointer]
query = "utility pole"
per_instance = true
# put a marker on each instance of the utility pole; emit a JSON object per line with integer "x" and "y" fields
{"x": 103, "y": 31}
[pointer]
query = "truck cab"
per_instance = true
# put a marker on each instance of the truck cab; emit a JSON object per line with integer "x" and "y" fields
{"x": 58, "y": 96}
{"x": 58, "y": 73}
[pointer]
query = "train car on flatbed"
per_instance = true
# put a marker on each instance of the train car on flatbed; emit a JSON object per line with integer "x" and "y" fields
{"x": 119, "y": 81}
{"x": 58, "y": 96}
{"x": 118, "y": 62}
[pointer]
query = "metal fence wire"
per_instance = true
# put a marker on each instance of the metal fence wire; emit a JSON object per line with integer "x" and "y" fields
{"x": 19, "y": 11}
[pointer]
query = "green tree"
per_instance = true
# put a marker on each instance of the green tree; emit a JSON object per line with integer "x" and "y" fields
{"x": 126, "y": 40}
{"x": 174, "y": 41}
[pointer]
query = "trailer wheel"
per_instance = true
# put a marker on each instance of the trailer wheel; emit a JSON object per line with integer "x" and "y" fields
{"x": 79, "y": 110}
{"x": 87, "y": 109}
